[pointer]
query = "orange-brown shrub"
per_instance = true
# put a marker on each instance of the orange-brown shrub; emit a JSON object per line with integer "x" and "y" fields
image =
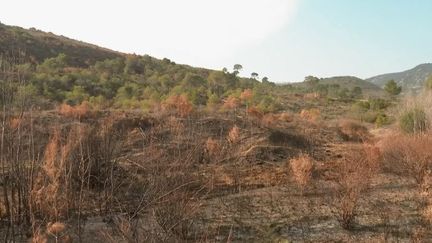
{"x": 212, "y": 147}
{"x": 234, "y": 134}
{"x": 78, "y": 112}
{"x": 310, "y": 114}
{"x": 179, "y": 103}
{"x": 15, "y": 122}
{"x": 246, "y": 95}
{"x": 353, "y": 131}
{"x": 269, "y": 119}
{"x": 255, "y": 113}
{"x": 302, "y": 168}
{"x": 231, "y": 103}
{"x": 286, "y": 117}
{"x": 408, "y": 155}
{"x": 311, "y": 96}
{"x": 354, "y": 172}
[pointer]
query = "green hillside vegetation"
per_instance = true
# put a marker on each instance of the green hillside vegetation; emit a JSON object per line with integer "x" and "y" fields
{"x": 38, "y": 46}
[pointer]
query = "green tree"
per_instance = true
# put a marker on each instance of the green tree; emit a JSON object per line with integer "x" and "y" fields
{"x": 254, "y": 75}
{"x": 392, "y": 88}
{"x": 237, "y": 68}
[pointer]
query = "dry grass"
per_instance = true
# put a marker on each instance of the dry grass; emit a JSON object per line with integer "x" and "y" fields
{"x": 234, "y": 134}
{"x": 179, "y": 104}
{"x": 81, "y": 111}
{"x": 312, "y": 115}
{"x": 355, "y": 171}
{"x": 231, "y": 103}
{"x": 212, "y": 147}
{"x": 246, "y": 95}
{"x": 408, "y": 154}
{"x": 254, "y": 113}
{"x": 302, "y": 168}
{"x": 353, "y": 131}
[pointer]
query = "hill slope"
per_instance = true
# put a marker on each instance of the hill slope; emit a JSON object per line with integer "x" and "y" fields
{"x": 410, "y": 79}
{"x": 350, "y": 82}
{"x": 39, "y": 45}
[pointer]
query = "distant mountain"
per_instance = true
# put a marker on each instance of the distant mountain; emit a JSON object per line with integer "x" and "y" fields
{"x": 38, "y": 45}
{"x": 412, "y": 79}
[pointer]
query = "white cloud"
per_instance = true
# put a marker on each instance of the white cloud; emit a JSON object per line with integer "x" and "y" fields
{"x": 199, "y": 32}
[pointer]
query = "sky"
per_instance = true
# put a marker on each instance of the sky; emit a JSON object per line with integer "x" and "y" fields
{"x": 284, "y": 40}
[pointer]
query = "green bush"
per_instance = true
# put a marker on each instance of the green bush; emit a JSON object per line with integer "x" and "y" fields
{"x": 414, "y": 121}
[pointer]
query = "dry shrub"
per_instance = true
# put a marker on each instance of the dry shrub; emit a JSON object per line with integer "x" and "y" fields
{"x": 286, "y": 117}
{"x": 269, "y": 119}
{"x": 234, "y": 134}
{"x": 408, "y": 155}
{"x": 212, "y": 147}
{"x": 175, "y": 125}
{"x": 302, "y": 168}
{"x": 312, "y": 96}
{"x": 180, "y": 104}
{"x": 15, "y": 122}
{"x": 254, "y": 113}
{"x": 246, "y": 95}
{"x": 81, "y": 111}
{"x": 354, "y": 171}
{"x": 353, "y": 131}
{"x": 311, "y": 114}
{"x": 231, "y": 103}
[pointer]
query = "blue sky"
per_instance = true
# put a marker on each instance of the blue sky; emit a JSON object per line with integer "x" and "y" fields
{"x": 285, "y": 40}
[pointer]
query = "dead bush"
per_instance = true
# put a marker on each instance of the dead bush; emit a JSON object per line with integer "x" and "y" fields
{"x": 286, "y": 117}
{"x": 406, "y": 154}
{"x": 312, "y": 115}
{"x": 269, "y": 119}
{"x": 212, "y": 147}
{"x": 179, "y": 104}
{"x": 302, "y": 168}
{"x": 231, "y": 103}
{"x": 254, "y": 113}
{"x": 234, "y": 134}
{"x": 81, "y": 111}
{"x": 354, "y": 172}
{"x": 353, "y": 131}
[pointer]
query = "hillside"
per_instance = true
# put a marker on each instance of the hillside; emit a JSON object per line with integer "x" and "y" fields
{"x": 349, "y": 83}
{"x": 410, "y": 79}
{"x": 39, "y": 45}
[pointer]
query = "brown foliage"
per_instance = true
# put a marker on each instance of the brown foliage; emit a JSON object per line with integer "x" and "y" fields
{"x": 246, "y": 95}
{"x": 212, "y": 147}
{"x": 234, "y": 134}
{"x": 81, "y": 111}
{"x": 231, "y": 103}
{"x": 353, "y": 131}
{"x": 286, "y": 117}
{"x": 180, "y": 104}
{"x": 302, "y": 168}
{"x": 255, "y": 113}
{"x": 269, "y": 119}
{"x": 311, "y": 114}
{"x": 354, "y": 174}
{"x": 408, "y": 154}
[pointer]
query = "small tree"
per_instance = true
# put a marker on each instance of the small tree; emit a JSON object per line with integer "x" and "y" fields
{"x": 237, "y": 68}
{"x": 254, "y": 75}
{"x": 392, "y": 88}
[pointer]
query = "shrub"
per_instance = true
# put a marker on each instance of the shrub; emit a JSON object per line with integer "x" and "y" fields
{"x": 353, "y": 177}
{"x": 180, "y": 104}
{"x": 234, "y": 134}
{"x": 302, "y": 168}
{"x": 78, "y": 112}
{"x": 212, "y": 147}
{"x": 407, "y": 154}
{"x": 353, "y": 131}
{"x": 414, "y": 121}
{"x": 310, "y": 115}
